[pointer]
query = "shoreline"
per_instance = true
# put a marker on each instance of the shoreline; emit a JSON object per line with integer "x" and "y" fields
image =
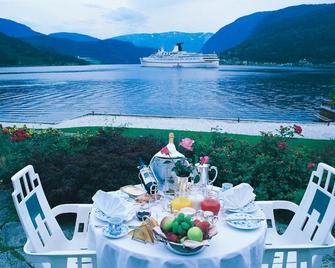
{"x": 321, "y": 131}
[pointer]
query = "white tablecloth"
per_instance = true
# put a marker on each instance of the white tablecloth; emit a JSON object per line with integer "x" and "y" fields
{"x": 230, "y": 248}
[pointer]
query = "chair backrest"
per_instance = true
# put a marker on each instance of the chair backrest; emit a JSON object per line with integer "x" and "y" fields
{"x": 36, "y": 216}
{"x": 316, "y": 214}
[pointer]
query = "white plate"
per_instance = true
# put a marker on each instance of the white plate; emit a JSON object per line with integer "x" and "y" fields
{"x": 240, "y": 221}
{"x": 124, "y": 232}
{"x": 249, "y": 208}
{"x": 103, "y": 217}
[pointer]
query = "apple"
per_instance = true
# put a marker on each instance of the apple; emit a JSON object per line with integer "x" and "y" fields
{"x": 204, "y": 226}
{"x": 172, "y": 237}
{"x": 195, "y": 234}
{"x": 166, "y": 224}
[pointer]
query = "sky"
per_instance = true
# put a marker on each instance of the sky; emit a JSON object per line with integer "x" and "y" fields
{"x": 108, "y": 18}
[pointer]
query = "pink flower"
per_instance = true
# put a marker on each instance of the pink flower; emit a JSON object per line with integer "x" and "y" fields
{"x": 204, "y": 159}
{"x": 165, "y": 150}
{"x": 310, "y": 165}
{"x": 187, "y": 143}
{"x": 281, "y": 144}
{"x": 297, "y": 129}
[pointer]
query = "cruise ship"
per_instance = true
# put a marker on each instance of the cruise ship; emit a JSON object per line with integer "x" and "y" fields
{"x": 179, "y": 58}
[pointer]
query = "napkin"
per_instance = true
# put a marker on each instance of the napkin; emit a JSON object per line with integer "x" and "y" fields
{"x": 238, "y": 196}
{"x": 112, "y": 204}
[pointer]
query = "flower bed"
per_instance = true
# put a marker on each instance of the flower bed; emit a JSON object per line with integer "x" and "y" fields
{"x": 73, "y": 167}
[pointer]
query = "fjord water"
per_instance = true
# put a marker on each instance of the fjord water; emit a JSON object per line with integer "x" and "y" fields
{"x": 53, "y": 94}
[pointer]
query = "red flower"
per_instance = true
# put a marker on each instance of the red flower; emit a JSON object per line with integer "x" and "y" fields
{"x": 297, "y": 129}
{"x": 310, "y": 165}
{"x": 165, "y": 150}
{"x": 19, "y": 135}
{"x": 281, "y": 144}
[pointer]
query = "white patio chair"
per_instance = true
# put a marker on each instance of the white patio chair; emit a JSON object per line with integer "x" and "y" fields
{"x": 47, "y": 245}
{"x": 308, "y": 235}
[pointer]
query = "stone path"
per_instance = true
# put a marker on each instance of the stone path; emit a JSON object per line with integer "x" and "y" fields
{"x": 12, "y": 236}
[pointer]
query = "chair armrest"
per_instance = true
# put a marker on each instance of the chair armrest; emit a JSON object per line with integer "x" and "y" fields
{"x": 61, "y": 253}
{"x": 315, "y": 249}
{"x": 278, "y": 204}
{"x": 59, "y": 258}
{"x": 83, "y": 211}
{"x": 268, "y": 208}
{"x": 71, "y": 208}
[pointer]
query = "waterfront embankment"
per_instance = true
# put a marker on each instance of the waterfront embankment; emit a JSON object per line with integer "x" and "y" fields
{"x": 310, "y": 130}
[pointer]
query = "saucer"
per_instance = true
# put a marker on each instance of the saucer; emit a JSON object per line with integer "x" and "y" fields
{"x": 248, "y": 208}
{"x": 108, "y": 234}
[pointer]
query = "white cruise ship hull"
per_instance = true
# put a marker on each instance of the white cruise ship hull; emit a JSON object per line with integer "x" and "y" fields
{"x": 177, "y": 64}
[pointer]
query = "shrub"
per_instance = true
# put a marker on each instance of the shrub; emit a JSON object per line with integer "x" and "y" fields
{"x": 73, "y": 167}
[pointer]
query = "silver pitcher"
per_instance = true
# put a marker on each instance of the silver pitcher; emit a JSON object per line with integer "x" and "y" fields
{"x": 203, "y": 171}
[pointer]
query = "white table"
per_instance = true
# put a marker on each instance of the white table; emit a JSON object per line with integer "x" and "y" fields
{"x": 230, "y": 248}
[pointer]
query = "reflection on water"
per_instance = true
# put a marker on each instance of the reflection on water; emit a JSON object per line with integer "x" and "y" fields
{"x": 52, "y": 94}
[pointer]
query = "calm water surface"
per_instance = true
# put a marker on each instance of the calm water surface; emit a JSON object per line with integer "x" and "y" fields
{"x": 53, "y": 94}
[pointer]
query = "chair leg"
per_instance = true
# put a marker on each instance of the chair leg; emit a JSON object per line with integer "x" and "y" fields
{"x": 285, "y": 254}
{"x": 59, "y": 263}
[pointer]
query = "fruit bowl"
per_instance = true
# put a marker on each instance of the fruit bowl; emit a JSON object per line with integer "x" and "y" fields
{"x": 180, "y": 249}
{"x": 183, "y": 235}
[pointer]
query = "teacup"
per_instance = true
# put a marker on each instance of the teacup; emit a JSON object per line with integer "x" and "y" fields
{"x": 226, "y": 186}
{"x": 115, "y": 225}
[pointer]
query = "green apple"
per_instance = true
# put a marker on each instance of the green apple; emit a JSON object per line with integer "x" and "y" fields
{"x": 195, "y": 234}
{"x": 166, "y": 224}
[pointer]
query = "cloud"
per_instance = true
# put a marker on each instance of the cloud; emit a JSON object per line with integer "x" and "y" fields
{"x": 126, "y": 15}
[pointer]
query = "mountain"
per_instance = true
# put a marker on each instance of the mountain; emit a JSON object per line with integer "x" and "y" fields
{"x": 298, "y": 34}
{"x": 234, "y": 33}
{"x": 74, "y": 37}
{"x": 14, "y": 29}
{"x": 193, "y": 42}
{"x": 14, "y": 52}
{"x": 103, "y": 51}
{"x": 76, "y": 45}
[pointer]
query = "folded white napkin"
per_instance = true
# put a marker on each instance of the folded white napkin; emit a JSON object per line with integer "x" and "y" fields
{"x": 238, "y": 196}
{"x": 112, "y": 204}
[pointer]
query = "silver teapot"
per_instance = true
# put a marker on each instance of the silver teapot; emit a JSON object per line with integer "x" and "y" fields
{"x": 203, "y": 172}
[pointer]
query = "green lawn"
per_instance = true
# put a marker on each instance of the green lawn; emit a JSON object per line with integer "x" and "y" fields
{"x": 162, "y": 134}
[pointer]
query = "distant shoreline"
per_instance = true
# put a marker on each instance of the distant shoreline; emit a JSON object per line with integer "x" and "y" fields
{"x": 287, "y": 65}
{"x": 310, "y": 130}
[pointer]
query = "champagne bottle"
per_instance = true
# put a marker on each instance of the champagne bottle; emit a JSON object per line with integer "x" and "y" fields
{"x": 147, "y": 178}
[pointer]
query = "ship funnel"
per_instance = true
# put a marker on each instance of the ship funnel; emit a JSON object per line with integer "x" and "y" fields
{"x": 177, "y": 47}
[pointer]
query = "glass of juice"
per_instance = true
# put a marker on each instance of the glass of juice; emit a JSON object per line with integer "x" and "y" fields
{"x": 180, "y": 202}
{"x": 211, "y": 203}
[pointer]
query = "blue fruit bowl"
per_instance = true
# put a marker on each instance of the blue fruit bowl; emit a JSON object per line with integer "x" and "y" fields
{"x": 180, "y": 249}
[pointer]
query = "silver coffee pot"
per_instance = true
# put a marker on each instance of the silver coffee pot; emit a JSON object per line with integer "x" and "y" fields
{"x": 203, "y": 171}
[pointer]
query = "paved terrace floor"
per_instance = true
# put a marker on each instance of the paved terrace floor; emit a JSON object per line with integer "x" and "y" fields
{"x": 310, "y": 130}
